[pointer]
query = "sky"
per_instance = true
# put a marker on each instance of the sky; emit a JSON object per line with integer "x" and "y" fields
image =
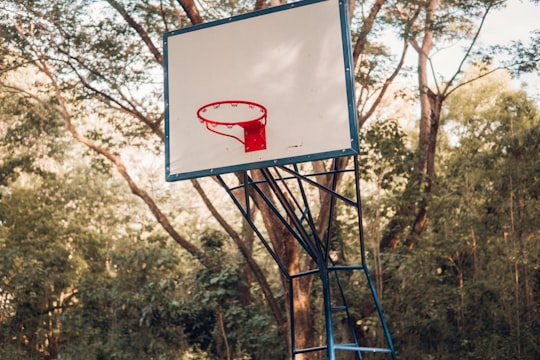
{"x": 515, "y": 22}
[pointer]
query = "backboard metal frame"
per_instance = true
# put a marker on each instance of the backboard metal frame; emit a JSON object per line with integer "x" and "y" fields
{"x": 258, "y": 159}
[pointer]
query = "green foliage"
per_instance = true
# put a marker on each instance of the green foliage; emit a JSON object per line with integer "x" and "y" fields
{"x": 216, "y": 308}
{"x": 84, "y": 273}
{"x": 38, "y": 267}
{"x": 525, "y": 57}
{"x": 474, "y": 294}
{"x": 135, "y": 300}
{"x": 385, "y": 158}
{"x": 83, "y": 288}
{"x": 25, "y": 129}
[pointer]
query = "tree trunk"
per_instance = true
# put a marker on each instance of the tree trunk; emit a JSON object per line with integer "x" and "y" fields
{"x": 288, "y": 250}
{"x": 413, "y": 213}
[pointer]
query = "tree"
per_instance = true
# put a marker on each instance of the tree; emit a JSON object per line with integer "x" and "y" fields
{"x": 525, "y": 57}
{"x": 474, "y": 245}
{"x": 462, "y": 291}
{"x": 438, "y": 21}
{"x": 98, "y": 74}
{"x": 57, "y": 45}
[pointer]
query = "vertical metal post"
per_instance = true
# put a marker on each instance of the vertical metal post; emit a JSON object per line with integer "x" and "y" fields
{"x": 327, "y": 303}
{"x": 291, "y": 315}
{"x": 364, "y": 263}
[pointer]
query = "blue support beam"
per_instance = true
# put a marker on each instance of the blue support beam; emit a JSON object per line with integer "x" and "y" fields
{"x": 288, "y": 184}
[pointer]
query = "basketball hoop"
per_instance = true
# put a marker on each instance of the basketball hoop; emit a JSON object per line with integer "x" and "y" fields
{"x": 250, "y": 116}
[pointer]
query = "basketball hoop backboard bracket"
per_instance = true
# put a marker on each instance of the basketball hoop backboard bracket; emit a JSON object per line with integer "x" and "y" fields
{"x": 266, "y": 88}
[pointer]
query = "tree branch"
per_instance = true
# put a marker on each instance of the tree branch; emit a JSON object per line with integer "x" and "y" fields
{"x": 367, "y": 25}
{"x": 62, "y": 109}
{"x": 139, "y": 29}
{"x": 390, "y": 79}
{"x": 362, "y": 119}
{"x": 461, "y": 84}
{"x": 259, "y": 4}
{"x": 469, "y": 49}
{"x": 191, "y": 10}
{"x": 131, "y": 110}
{"x": 254, "y": 267}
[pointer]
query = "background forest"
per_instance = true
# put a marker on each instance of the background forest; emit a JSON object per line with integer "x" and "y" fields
{"x": 100, "y": 258}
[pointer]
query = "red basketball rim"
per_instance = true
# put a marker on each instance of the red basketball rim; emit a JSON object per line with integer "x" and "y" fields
{"x": 232, "y": 103}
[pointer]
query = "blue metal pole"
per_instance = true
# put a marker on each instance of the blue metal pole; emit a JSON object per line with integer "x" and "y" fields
{"x": 330, "y": 343}
{"x": 364, "y": 262}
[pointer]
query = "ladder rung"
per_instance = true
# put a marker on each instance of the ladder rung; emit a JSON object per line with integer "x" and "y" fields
{"x": 306, "y": 350}
{"x": 360, "y": 348}
{"x": 345, "y": 347}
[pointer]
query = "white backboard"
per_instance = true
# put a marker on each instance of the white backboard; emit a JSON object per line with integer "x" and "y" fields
{"x": 290, "y": 65}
